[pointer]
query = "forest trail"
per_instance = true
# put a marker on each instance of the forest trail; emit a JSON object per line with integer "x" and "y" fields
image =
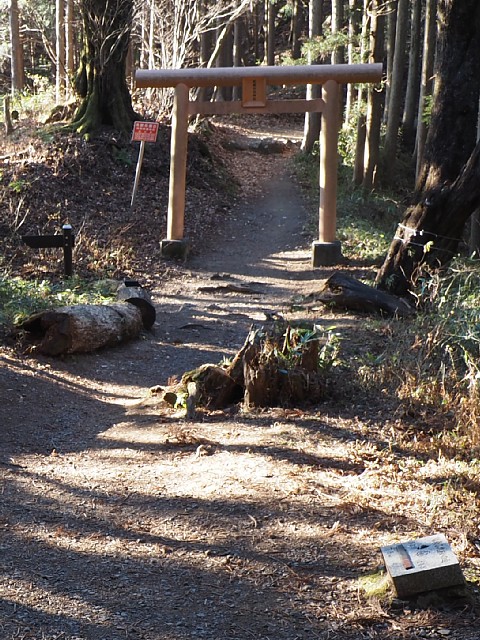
{"x": 121, "y": 519}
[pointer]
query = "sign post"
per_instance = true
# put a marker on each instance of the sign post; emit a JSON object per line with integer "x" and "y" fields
{"x": 142, "y": 132}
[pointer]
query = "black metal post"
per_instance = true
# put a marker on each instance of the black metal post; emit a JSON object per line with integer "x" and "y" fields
{"x": 67, "y": 249}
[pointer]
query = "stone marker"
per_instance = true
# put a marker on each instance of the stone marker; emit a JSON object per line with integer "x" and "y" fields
{"x": 426, "y": 564}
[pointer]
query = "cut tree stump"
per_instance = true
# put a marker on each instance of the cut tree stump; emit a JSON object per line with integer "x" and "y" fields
{"x": 273, "y": 368}
{"x": 345, "y": 292}
{"x": 83, "y": 328}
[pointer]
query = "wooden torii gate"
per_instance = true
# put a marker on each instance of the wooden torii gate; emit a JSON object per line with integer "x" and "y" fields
{"x": 254, "y": 82}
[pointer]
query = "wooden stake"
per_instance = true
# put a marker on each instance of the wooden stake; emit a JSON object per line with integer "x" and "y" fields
{"x": 137, "y": 172}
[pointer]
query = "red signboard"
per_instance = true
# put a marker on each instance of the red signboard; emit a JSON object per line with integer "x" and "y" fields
{"x": 145, "y": 131}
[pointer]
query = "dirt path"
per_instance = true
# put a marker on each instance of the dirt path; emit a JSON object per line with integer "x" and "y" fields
{"x": 120, "y": 520}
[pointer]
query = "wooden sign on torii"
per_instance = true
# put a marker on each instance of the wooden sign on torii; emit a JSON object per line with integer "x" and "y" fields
{"x": 254, "y": 82}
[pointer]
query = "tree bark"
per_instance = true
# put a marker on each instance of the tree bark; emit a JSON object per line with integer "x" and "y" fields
{"x": 413, "y": 81}
{"x": 311, "y": 131}
{"x": 426, "y": 85}
{"x": 376, "y": 97}
{"x": 297, "y": 25}
{"x": 60, "y": 82}
{"x": 354, "y": 28}
{"x": 102, "y": 77}
{"x": 271, "y": 11}
{"x": 447, "y": 190}
{"x": 391, "y": 10}
{"x": 359, "y": 163}
{"x": 396, "y": 93}
{"x": 16, "y": 50}
{"x": 69, "y": 47}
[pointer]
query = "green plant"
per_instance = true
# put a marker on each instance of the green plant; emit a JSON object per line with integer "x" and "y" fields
{"x": 18, "y": 186}
{"x": 20, "y": 298}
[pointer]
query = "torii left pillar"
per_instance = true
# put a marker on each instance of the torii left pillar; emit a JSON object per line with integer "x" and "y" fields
{"x": 174, "y": 245}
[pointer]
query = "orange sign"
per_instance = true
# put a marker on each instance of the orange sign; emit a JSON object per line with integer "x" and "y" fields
{"x": 145, "y": 131}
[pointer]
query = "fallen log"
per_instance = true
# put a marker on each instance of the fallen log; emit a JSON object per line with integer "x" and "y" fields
{"x": 131, "y": 291}
{"x": 83, "y": 328}
{"x": 345, "y": 292}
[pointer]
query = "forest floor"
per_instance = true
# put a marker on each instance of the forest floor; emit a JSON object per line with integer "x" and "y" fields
{"x": 121, "y": 519}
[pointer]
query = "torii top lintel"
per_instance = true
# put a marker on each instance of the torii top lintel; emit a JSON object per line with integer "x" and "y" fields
{"x": 272, "y": 75}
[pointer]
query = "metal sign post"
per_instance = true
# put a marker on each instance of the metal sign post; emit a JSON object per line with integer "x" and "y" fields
{"x": 142, "y": 132}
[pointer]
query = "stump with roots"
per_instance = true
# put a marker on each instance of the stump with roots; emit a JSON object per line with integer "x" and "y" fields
{"x": 282, "y": 367}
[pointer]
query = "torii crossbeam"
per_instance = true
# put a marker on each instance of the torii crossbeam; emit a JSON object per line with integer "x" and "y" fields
{"x": 254, "y": 82}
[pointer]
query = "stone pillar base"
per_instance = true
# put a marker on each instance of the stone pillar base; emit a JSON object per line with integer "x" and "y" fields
{"x": 174, "y": 249}
{"x": 326, "y": 254}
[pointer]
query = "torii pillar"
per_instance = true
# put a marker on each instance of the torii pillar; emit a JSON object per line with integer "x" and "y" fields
{"x": 254, "y": 81}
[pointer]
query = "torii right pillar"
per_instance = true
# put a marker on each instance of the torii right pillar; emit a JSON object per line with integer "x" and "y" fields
{"x": 327, "y": 250}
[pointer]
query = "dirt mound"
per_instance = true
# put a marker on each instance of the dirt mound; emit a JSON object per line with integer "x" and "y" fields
{"x": 64, "y": 179}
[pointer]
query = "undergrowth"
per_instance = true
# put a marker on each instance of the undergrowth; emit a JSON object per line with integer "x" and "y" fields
{"x": 430, "y": 364}
{"x": 19, "y": 298}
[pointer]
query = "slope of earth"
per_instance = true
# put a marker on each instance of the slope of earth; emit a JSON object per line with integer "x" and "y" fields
{"x": 121, "y": 519}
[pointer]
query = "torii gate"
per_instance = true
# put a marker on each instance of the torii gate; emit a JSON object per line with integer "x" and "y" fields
{"x": 254, "y": 82}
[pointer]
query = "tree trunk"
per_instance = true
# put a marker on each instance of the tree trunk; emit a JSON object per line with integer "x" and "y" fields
{"x": 60, "y": 82}
{"x": 270, "y": 39}
{"x": 413, "y": 82}
{"x": 359, "y": 163}
{"x": 447, "y": 190}
{"x": 297, "y": 25}
{"x": 426, "y": 86}
{"x": 354, "y": 28}
{"x": 16, "y": 50}
{"x": 376, "y": 96}
{"x": 391, "y": 9}
{"x": 338, "y": 54}
{"x": 102, "y": 77}
{"x": 69, "y": 47}
{"x": 474, "y": 240}
{"x": 237, "y": 52}
{"x": 396, "y": 95}
{"x": 311, "y": 131}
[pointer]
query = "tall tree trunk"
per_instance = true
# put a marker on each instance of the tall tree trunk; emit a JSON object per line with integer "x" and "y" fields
{"x": 60, "y": 82}
{"x": 413, "y": 82}
{"x": 69, "y": 47}
{"x": 16, "y": 50}
{"x": 102, "y": 77}
{"x": 395, "y": 102}
{"x": 474, "y": 240}
{"x": 151, "y": 36}
{"x": 311, "y": 131}
{"x": 270, "y": 23}
{"x": 354, "y": 26}
{"x": 376, "y": 97}
{"x": 426, "y": 85}
{"x": 237, "y": 52}
{"x": 338, "y": 54}
{"x": 359, "y": 163}
{"x": 447, "y": 190}
{"x": 391, "y": 9}
{"x": 297, "y": 25}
